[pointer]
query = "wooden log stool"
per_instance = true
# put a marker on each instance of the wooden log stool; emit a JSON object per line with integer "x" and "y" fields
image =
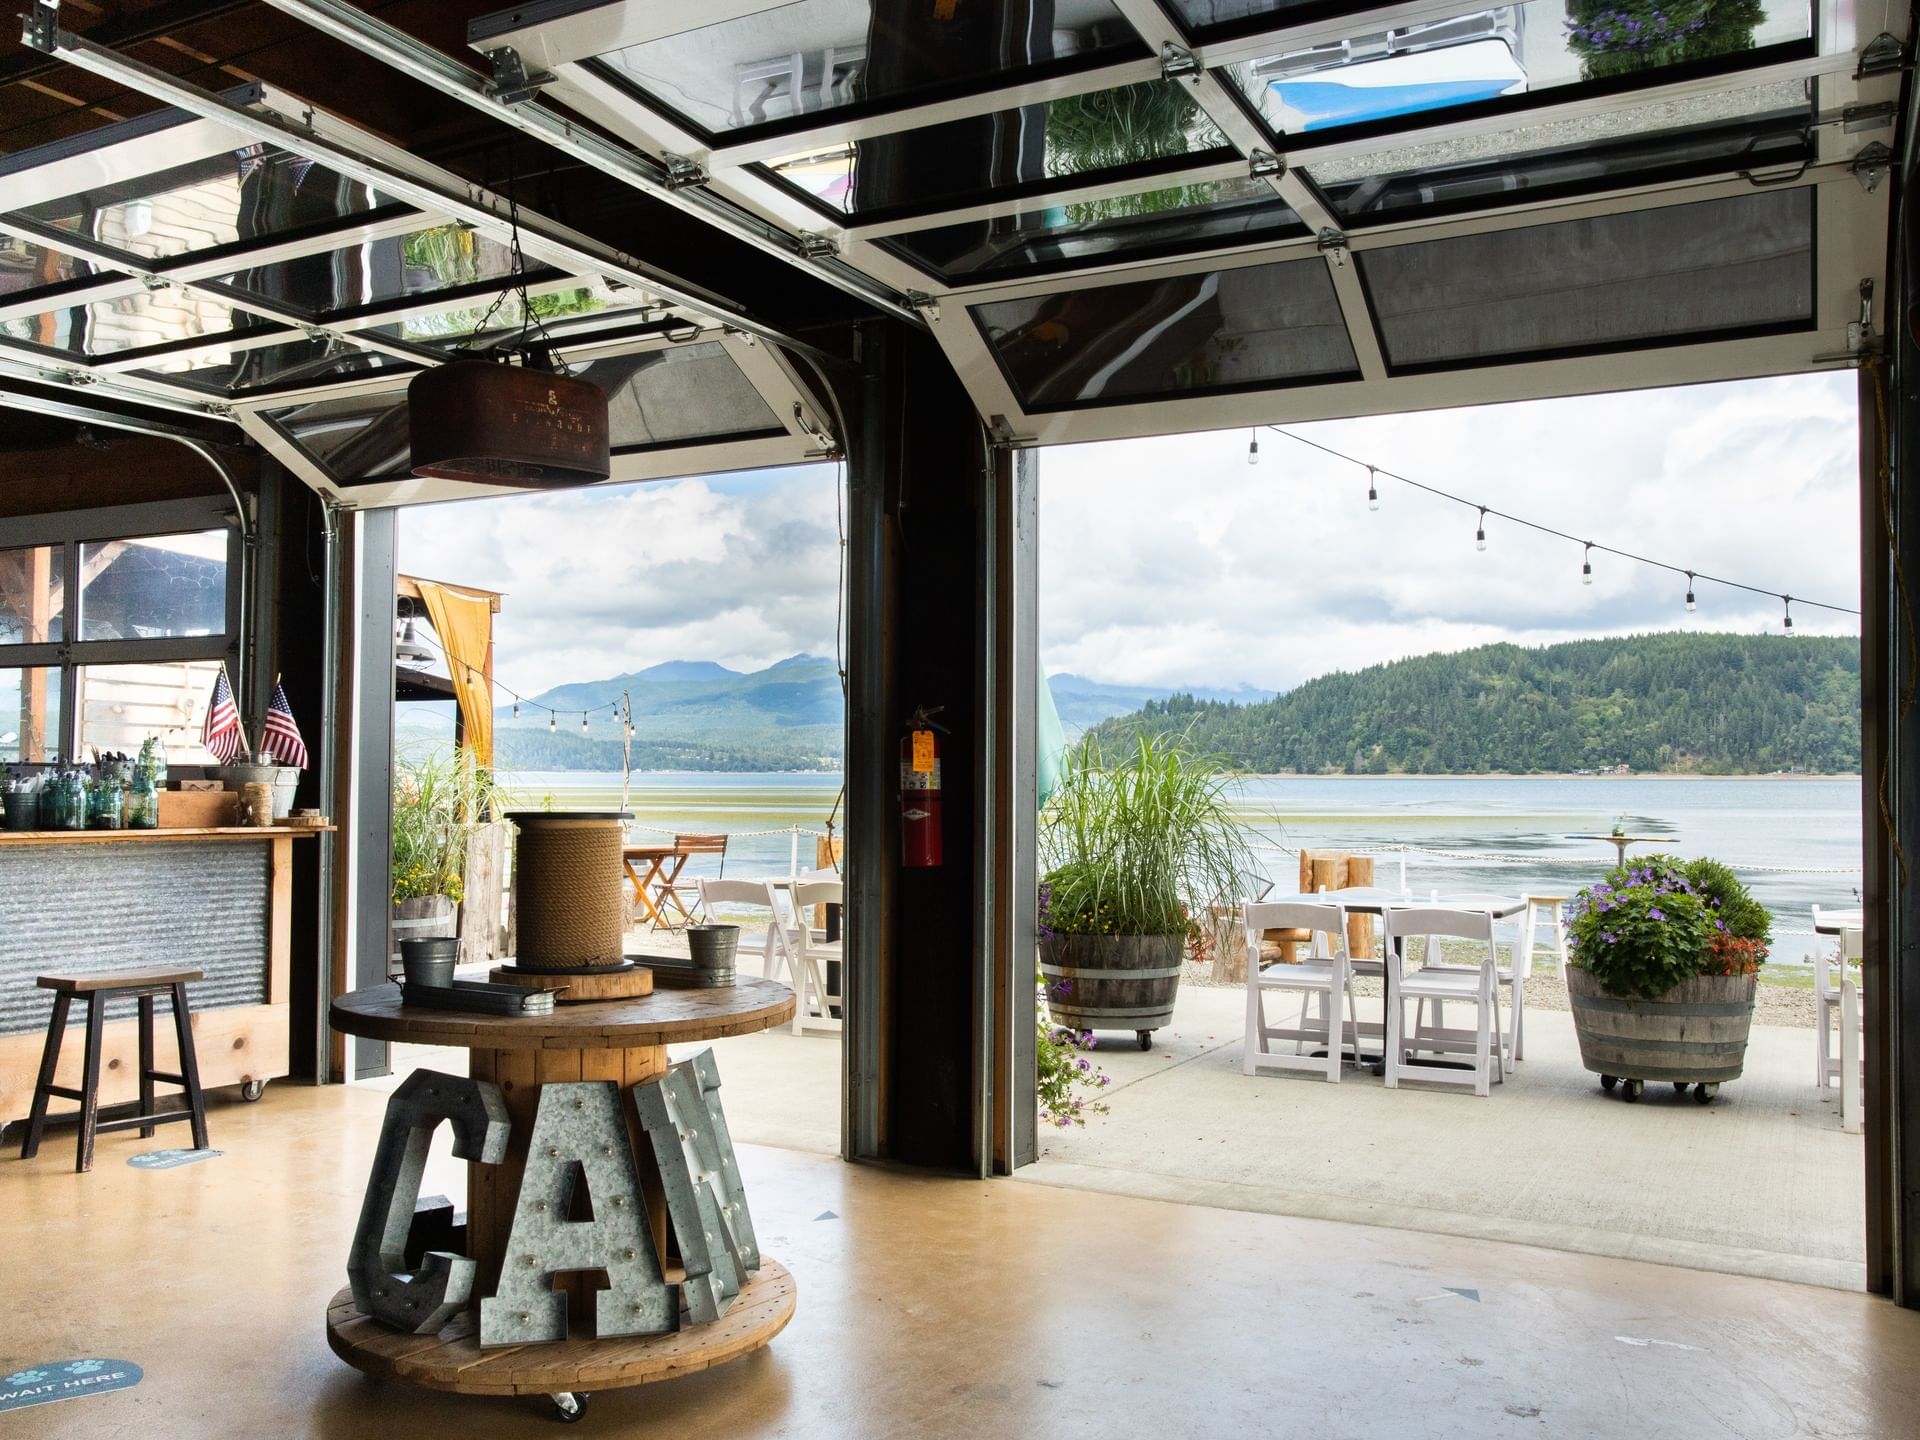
{"x": 96, "y": 991}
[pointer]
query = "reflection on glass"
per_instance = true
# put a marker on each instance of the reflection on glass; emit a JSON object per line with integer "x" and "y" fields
{"x": 155, "y": 587}
{"x": 297, "y": 362}
{"x": 1675, "y": 273}
{"x": 246, "y": 194}
{"x": 497, "y": 314}
{"x": 1077, "y": 136}
{"x": 131, "y": 322}
{"x": 684, "y": 392}
{"x": 32, "y": 595}
{"x": 375, "y": 272}
{"x": 1202, "y": 16}
{"x": 26, "y": 267}
{"x": 1054, "y": 237}
{"x": 121, "y": 705}
{"x": 30, "y": 715}
{"x": 1759, "y": 128}
{"x": 1507, "y": 50}
{"x": 789, "y": 59}
{"x": 357, "y": 437}
{"x": 1185, "y": 334}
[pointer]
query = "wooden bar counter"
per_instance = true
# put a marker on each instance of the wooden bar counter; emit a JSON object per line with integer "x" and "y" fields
{"x": 217, "y": 898}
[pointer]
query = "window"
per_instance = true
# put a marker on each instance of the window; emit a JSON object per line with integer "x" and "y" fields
{"x": 115, "y": 633}
{"x": 30, "y": 715}
{"x": 30, "y": 595}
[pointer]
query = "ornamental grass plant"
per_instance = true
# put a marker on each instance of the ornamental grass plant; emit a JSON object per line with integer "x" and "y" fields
{"x": 1139, "y": 841}
{"x": 1659, "y": 921}
{"x": 438, "y": 801}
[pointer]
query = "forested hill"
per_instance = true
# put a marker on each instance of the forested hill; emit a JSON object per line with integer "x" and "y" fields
{"x": 1713, "y": 704}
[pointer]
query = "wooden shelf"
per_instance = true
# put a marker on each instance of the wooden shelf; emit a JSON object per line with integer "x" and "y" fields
{"x": 100, "y": 837}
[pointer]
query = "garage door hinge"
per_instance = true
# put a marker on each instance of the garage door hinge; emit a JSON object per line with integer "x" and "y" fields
{"x": 927, "y": 305}
{"x": 1883, "y": 55}
{"x": 40, "y": 28}
{"x": 1001, "y": 434}
{"x": 817, "y": 247}
{"x": 1870, "y": 165}
{"x": 683, "y": 172}
{"x": 1265, "y": 165}
{"x": 511, "y": 83}
{"x": 1178, "y": 64}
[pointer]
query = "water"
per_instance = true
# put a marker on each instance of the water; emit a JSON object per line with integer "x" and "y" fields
{"x": 1514, "y": 832}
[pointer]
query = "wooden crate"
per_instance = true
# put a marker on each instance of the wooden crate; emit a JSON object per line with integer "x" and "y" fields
{"x": 198, "y": 809}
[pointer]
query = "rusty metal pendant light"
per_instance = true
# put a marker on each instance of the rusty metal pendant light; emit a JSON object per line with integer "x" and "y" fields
{"x": 495, "y": 424}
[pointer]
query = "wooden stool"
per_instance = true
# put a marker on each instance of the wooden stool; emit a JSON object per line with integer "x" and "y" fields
{"x": 96, "y": 991}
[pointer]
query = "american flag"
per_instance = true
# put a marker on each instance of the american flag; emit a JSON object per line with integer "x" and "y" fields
{"x": 280, "y": 735}
{"x": 222, "y": 735}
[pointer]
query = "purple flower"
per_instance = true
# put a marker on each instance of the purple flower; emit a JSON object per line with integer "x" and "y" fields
{"x": 1083, "y": 1064}
{"x": 1656, "y": 913}
{"x": 1607, "y": 937}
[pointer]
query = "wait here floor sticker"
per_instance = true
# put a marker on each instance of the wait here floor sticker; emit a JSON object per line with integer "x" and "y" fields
{"x": 65, "y": 1380}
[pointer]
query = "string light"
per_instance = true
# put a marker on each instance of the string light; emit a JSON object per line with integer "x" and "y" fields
{"x": 1786, "y": 622}
{"x": 1587, "y": 546}
{"x": 1253, "y": 447}
{"x": 516, "y": 709}
{"x": 552, "y": 724}
{"x": 583, "y": 722}
{"x": 1586, "y": 565}
{"x": 1373, "y": 488}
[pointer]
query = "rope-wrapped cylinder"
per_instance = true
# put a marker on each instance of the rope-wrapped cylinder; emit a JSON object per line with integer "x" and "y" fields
{"x": 567, "y": 879}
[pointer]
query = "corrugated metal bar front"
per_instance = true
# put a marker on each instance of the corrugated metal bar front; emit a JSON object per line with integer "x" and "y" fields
{"x": 104, "y": 907}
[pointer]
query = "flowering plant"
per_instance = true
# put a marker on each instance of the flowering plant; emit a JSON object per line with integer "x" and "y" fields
{"x": 1615, "y": 37}
{"x": 1652, "y": 924}
{"x": 1062, "y": 1067}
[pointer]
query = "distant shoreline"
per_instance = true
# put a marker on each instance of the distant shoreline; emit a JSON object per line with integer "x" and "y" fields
{"x": 1536, "y": 775}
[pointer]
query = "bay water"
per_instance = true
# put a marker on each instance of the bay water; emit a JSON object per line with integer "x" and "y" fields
{"x": 1795, "y": 841}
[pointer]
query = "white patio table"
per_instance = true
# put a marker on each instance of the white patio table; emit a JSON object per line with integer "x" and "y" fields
{"x": 1840, "y": 923}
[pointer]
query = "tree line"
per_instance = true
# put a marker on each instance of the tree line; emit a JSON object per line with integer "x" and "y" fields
{"x": 1709, "y": 704}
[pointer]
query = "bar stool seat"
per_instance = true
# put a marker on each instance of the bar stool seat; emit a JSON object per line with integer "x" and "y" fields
{"x": 95, "y": 991}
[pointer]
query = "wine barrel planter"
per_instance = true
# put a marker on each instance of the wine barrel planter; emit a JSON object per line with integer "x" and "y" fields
{"x": 1695, "y": 1034}
{"x": 1113, "y": 982}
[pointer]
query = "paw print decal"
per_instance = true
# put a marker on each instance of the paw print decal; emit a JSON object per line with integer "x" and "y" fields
{"x": 84, "y": 1367}
{"x": 26, "y": 1377}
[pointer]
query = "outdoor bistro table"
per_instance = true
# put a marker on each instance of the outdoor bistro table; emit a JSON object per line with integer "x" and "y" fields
{"x": 624, "y": 1041}
{"x": 659, "y": 876}
{"x": 1373, "y": 900}
{"x": 1837, "y": 923}
{"x": 1621, "y": 842}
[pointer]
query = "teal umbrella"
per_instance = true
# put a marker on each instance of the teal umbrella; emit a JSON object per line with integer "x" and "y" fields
{"x": 1050, "y": 741}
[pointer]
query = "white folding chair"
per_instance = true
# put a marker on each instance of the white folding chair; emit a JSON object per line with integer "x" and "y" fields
{"x": 1329, "y": 978}
{"x": 1835, "y": 960}
{"x": 776, "y": 943}
{"x": 1442, "y": 982}
{"x": 1511, "y": 977}
{"x": 819, "y": 958}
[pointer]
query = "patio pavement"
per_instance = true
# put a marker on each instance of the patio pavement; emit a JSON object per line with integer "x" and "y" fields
{"x": 1762, "y": 1182}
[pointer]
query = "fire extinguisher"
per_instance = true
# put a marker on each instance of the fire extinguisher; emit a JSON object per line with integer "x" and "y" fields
{"x": 920, "y": 802}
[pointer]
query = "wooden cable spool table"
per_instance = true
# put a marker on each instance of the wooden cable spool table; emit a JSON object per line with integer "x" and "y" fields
{"x": 624, "y": 1041}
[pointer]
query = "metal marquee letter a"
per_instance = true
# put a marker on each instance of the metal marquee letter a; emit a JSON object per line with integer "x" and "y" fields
{"x": 579, "y": 1137}
{"x": 426, "y": 1299}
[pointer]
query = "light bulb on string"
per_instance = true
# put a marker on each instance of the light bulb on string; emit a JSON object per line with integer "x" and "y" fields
{"x": 1786, "y": 622}
{"x": 583, "y": 722}
{"x": 553, "y": 723}
{"x": 516, "y": 709}
{"x": 1480, "y": 534}
{"x": 1373, "y": 489}
{"x": 1586, "y": 565}
{"x": 1253, "y": 447}
{"x": 1690, "y": 604}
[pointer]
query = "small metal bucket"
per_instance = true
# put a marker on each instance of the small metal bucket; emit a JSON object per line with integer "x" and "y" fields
{"x": 712, "y": 948}
{"x": 429, "y": 961}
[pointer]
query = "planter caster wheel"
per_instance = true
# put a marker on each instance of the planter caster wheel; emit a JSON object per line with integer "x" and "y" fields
{"x": 1145, "y": 1037}
{"x": 1704, "y": 1093}
{"x": 251, "y": 1090}
{"x": 569, "y": 1406}
{"x": 1631, "y": 1090}
{"x": 1680, "y": 1087}
{"x": 1607, "y": 1082}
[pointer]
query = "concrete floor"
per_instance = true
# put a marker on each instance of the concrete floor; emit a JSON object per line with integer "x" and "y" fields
{"x": 933, "y": 1308}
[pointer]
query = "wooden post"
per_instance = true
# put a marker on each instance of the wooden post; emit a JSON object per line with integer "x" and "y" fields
{"x": 826, "y": 853}
{"x": 1360, "y": 927}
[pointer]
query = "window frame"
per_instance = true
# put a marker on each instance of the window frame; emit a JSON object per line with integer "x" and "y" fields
{"x": 69, "y": 530}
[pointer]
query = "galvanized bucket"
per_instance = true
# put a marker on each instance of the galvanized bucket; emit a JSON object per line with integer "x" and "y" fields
{"x": 1694, "y": 1034}
{"x": 1113, "y": 982}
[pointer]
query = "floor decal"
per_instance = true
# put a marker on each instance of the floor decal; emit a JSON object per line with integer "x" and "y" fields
{"x": 168, "y": 1159}
{"x": 65, "y": 1380}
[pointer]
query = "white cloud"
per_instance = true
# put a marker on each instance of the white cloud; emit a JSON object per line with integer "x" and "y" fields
{"x": 1172, "y": 561}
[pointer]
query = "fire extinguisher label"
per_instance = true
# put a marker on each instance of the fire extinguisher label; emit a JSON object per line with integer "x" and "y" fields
{"x": 911, "y": 779}
{"x": 924, "y": 762}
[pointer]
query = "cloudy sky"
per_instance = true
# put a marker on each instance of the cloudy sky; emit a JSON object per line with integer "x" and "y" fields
{"x": 1173, "y": 562}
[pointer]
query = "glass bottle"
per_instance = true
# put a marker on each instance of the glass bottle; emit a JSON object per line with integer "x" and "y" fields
{"x": 64, "y": 805}
{"x": 106, "y": 803}
{"x": 142, "y": 803}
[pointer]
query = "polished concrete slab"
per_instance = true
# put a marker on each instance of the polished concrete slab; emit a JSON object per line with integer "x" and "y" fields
{"x": 936, "y": 1307}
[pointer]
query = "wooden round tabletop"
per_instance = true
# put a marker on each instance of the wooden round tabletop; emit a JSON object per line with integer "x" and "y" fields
{"x": 666, "y": 1017}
